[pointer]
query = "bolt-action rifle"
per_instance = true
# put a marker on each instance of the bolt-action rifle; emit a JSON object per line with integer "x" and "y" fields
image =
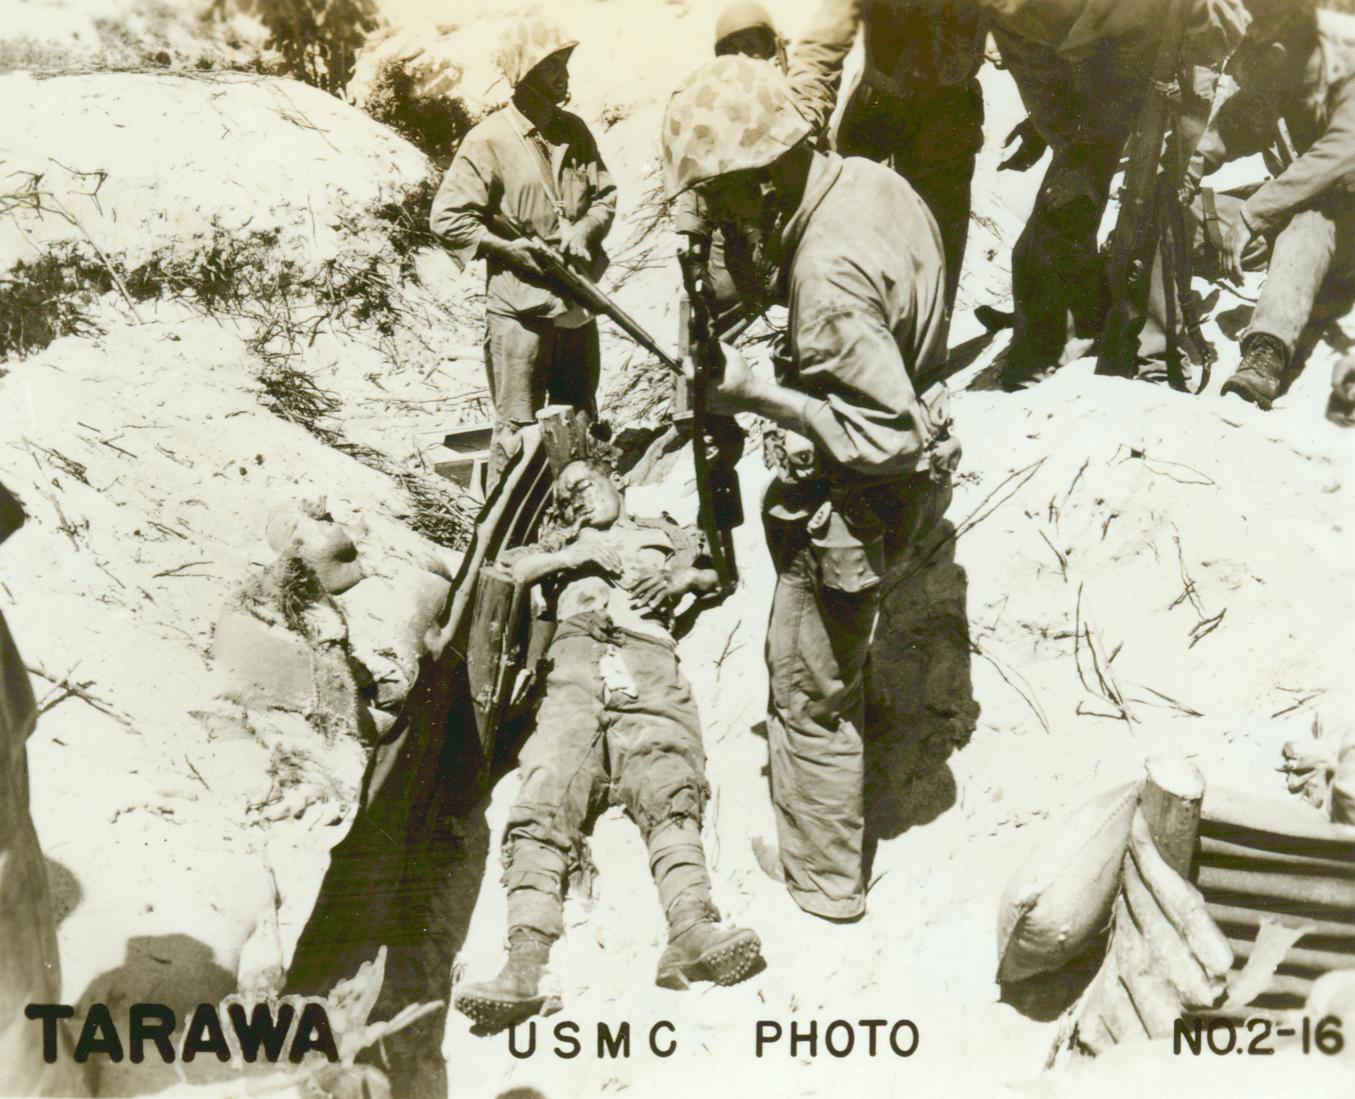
{"x": 586, "y": 292}
{"x": 717, "y": 441}
{"x": 1151, "y": 224}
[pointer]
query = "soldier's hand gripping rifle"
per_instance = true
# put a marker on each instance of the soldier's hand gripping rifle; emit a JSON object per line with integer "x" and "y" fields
{"x": 586, "y": 292}
{"x": 1150, "y": 219}
{"x": 717, "y": 441}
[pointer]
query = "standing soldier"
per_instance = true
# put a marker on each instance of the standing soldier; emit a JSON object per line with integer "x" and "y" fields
{"x": 860, "y": 260}
{"x": 1082, "y": 67}
{"x": 918, "y": 106}
{"x": 538, "y": 165}
{"x": 743, "y": 28}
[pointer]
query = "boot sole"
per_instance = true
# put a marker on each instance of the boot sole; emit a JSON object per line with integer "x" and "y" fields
{"x": 725, "y": 965}
{"x": 493, "y": 1015}
{"x": 1245, "y": 389}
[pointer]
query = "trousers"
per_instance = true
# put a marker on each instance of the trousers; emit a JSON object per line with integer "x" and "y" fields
{"x": 932, "y": 142}
{"x": 818, "y": 642}
{"x": 530, "y": 363}
{"x": 600, "y": 738}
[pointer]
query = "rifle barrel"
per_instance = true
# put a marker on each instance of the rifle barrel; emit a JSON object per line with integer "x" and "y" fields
{"x": 592, "y": 296}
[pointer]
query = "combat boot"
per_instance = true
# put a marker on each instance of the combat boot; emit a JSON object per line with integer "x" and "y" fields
{"x": 515, "y": 994}
{"x": 1257, "y": 380}
{"x": 708, "y": 952}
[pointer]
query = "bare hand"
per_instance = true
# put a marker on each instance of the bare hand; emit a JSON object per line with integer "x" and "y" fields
{"x": 732, "y": 392}
{"x": 651, "y": 587}
{"x": 593, "y": 551}
{"x": 524, "y": 255}
{"x": 574, "y": 245}
{"x": 1237, "y": 235}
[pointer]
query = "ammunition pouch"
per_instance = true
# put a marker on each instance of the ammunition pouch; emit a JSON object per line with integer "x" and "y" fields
{"x": 835, "y": 522}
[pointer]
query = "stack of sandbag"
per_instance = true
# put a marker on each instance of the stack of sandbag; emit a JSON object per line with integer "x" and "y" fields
{"x": 1224, "y": 904}
{"x": 1167, "y": 957}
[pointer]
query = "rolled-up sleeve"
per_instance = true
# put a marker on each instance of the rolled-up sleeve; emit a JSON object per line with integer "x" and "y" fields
{"x": 465, "y": 199}
{"x": 816, "y": 58}
{"x": 1329, "y": 163}
{"x": 860, "y": 407}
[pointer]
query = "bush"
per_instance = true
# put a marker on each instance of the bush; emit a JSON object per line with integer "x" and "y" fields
{"x": 434, "y": 123}
{"x": 319, "y": 40}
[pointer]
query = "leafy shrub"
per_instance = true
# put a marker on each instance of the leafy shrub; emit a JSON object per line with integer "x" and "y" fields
{"x": 319, "y": 40}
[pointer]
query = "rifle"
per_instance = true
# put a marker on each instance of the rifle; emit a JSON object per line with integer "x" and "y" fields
{"x": 1151, "y": 224}
{"x": 587, "y": 293}
{"x": 717, "y": 441}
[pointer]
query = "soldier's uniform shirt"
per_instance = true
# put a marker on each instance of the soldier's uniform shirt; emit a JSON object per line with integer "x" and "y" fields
{"x": 503, "y": 163}
{"x": 864, "y": 278}
{"x": 538, "y": 346}
{"x": 1321, "y": 124}
{"x": 867, "y": 310}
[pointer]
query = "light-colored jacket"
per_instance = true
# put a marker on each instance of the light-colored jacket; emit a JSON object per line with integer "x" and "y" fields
{"x": 501, "y": 167}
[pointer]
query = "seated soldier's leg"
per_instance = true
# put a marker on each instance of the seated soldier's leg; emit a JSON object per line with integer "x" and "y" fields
{"x": 1299, "y": 263}
{"x": 562, "y": 768}
{"x": 516, "y": 359}
{"x": 817, "y": 643}
{"x": 575, "y": 365}
{"x": 658, "y": 773}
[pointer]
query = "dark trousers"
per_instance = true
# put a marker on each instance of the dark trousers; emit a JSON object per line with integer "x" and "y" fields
{"x": 531, "y": 363}
{"x": 931, "y": 141}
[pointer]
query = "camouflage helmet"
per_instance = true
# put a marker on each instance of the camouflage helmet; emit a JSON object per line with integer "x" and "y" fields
{"x": 742, "y": 15}
{"x": 526, "y": 44}
{"x": 732, "y": 114}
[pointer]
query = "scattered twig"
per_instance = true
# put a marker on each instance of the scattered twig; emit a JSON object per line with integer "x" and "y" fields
{"x": 1298, "y": 704}
{"x": 114, "y": 446}
{"x": 1205, "y": 627}
{"x": 1009, "y": 676}
{"x": 64, "y": 688}
{"x": 1063, "y": 561}
{"x": 196, "y": 773}
{"x": 1175, "y": 704}
{"x": 178, "y": 570}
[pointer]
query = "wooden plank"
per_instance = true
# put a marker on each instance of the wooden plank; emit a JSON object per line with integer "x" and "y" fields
{"x": 1331, "y": 932}
{"x": 1313, "y": 961}
{"x": 1284, "y": 821}
{"x": 1170, "y": 802}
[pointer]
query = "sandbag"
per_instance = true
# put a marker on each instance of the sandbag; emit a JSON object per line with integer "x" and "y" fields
{"x": 1061, "y": 896}
{"x": 1343, "y": 785}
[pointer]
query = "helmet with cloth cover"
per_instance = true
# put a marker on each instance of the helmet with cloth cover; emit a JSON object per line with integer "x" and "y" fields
{"x": 528, "y": 43}
{"x": 731, "y": 115}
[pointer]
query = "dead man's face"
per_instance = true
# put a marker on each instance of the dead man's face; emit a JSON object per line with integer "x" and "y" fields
{"x": 590, "y": 497}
